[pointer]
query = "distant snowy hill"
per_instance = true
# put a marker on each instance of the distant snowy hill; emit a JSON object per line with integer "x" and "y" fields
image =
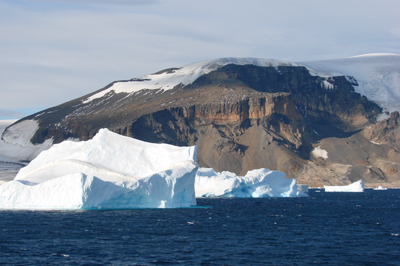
{"x": 322, "y": 122}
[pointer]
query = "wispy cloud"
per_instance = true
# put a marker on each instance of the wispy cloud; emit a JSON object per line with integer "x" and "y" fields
{"x": 10, "y": 114}
{"x": 102, "y": 2}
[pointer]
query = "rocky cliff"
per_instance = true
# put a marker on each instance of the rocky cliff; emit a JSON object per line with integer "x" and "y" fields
{"x": 242, "y": 117}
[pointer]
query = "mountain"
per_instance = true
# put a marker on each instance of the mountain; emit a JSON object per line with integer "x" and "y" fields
{"x": 323, "y": 123}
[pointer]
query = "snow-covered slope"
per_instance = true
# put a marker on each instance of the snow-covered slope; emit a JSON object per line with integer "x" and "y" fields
{"x": 16, "y": 146}
{"x": 110, "y": 171}
{"x": 377, "y": 75}
{"x": 257, "y": 183}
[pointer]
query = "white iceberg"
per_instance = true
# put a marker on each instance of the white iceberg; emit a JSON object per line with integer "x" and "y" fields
{"x": 255, "y": 184}
{"x": 380, "y": 188}
{"x": 110, "y": 171}
{"x": 302, "y": 188}
{"x": 354, "y": 187}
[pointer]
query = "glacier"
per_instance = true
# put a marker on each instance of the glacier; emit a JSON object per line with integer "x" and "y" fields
{"x": 357, "y": 186}
{"x": 109, "y": 171}
{"x": 256, "y": 183}
{"x": 377, "y": 76}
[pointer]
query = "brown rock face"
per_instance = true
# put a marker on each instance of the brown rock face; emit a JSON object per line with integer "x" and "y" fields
{"x": 235, "y": 136}
{"x": 386, "y": 131}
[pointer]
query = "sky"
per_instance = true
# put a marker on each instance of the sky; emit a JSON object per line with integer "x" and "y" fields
{"x": 55, "y": 51}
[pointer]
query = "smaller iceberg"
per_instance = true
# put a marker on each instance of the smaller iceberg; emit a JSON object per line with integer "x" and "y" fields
{"x": 380, "y": 188}
{"x": 109, "y": 171}
{"x": 255, "y": 184}
{"x": 302, "y": 188}
{"x": 354, "y": 187}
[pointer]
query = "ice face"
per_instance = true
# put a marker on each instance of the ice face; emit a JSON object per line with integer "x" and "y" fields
{"x": 354, "y": 187}
{"x": 172, "y": 188}
{"x": 255, "y": 184}
{"x": 110, "y": 171}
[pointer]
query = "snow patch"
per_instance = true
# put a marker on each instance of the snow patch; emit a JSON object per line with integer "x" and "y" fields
{"x": 376, "y": 143}
{"x": 318, "y": 152}
{"x": 327, "y": 85}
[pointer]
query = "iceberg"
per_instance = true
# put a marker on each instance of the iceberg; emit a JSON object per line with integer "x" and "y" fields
{"x": 255, "y": 184}
{"x": 109, "y": 171}
{"x": 354, "y": 187}
{"x": 302, "y": 188}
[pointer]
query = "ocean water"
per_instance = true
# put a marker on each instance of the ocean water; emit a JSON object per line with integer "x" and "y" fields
{"x": 325, "y": 228}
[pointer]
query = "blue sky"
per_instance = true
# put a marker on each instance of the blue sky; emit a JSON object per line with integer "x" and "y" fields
{"x": 54, "y": 51}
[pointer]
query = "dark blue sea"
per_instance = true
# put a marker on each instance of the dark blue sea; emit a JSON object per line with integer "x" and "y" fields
{"x": 323, "y": 229}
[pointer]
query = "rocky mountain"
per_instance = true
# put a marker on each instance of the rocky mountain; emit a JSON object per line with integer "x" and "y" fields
{"x": 323, "y": 123}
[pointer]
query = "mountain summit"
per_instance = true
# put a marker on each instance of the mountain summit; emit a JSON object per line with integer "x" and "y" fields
{"x": 327, "y": 122}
